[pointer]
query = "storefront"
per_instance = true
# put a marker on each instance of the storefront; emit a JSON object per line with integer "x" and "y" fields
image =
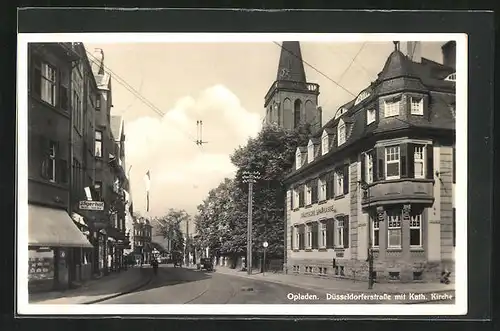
{"x": 53, "y": 240}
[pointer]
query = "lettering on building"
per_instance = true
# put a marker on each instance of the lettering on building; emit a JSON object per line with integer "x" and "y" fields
{"x": 318, "y": 211}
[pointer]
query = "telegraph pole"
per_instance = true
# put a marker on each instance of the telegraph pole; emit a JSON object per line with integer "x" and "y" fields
{"x": 250, "y": 177}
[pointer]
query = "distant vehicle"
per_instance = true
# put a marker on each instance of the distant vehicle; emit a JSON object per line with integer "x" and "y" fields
{"x": 206, "y": 264}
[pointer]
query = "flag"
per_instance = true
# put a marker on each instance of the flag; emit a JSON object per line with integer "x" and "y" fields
{"x": 148, "y": 186}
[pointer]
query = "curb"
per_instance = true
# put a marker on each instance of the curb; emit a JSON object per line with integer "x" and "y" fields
{"x": 310, "y": 288}
{"x": 109, "y": 297}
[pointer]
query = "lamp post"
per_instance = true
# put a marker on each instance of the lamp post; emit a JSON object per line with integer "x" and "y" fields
{"x": 250, "y": 177}
{"x": 365, "y": 187}
{"x": 264, "y": 244}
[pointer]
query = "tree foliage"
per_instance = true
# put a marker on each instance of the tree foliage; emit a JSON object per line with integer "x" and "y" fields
{"x": 222, "y": 217}
{"x": 169, "y": 226}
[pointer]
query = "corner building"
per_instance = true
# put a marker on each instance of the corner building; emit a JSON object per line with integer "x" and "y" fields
{"x": 381, "y": 173}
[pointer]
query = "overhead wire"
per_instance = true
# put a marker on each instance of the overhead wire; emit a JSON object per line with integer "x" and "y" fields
{"x": 352, "y": 61}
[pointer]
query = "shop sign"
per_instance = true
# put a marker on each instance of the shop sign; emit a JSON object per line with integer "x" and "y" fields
{"x": 91, "y": 205}
{"x": 319, "y": 210}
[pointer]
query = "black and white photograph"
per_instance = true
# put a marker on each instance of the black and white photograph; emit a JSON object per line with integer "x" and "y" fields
{"x": 231, "y": 173}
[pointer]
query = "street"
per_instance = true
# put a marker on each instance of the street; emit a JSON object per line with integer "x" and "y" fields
{"x": 188, "y": 286}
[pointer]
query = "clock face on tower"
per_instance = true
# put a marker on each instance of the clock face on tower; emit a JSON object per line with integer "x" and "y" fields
{"x": 285, "y": 73}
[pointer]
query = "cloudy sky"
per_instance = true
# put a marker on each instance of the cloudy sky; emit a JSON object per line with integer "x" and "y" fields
{"x": 222, "y": 84}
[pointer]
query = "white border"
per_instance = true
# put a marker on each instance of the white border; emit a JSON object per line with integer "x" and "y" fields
{"x": 460, "y": 306}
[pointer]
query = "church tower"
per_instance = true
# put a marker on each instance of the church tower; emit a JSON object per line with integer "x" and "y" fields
{"x": 291, "y": 100}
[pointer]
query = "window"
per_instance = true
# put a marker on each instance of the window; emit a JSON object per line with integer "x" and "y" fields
{"x": 417, "y": 106}
{"x": 339, "y": 183}
{"x": 46, "y": 82}
{"x": 322, "y": 189}
{"x": 64, "y": 90}
{"x": 52, "y": 161}
{"x": 394, "y": 229}
{"x": 297, "y": 238}
{"x": 375, "y": 232}
{"x": 369, "y": 167}
{"x": 98, "y": 191}
{"x": 391, "y": 108}
{"x": 301, "y": 196}
{"x": 362, "y": 96}
{"x": 309, "y": 236}
{"x": 98, "y": 143}
{"x": 330, "y": 233}
{"x": 418, "y": 157}
{"x": 370, "y": 116}
{"x": 392, "y": 162}
{"x": 298, "y": 159}
{"x": 98, "y": 103}
{"x": 416, "y": 230}
{"x": 314, "y": 191}
{"x": 339, "y": 233}
{"x": 308, "y": 194}
{"x": 341, "y": 133}
{"x": 324, "y": 143}
{"x": 322, "y": 234}
{"x": 301, "y": 237}
{"x": 296, "y": 198}
{"x": 310, "y": 152}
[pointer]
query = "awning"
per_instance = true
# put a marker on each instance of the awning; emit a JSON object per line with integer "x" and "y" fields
{"x": 51, "y": 227}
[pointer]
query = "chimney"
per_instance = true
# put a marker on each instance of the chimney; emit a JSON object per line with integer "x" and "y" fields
{"x": 413, "y": 50}
{"x": 449, "y": 51}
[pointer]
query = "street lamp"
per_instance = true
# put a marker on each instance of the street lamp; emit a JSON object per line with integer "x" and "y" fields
{"x": 365, "y": 187}
{"x": 250, "y": 177}
{"x": 264, "y": 244}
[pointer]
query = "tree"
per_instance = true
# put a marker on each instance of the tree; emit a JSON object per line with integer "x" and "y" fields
{"x": 169, "y": 226}
{"x": 222, "y": 218}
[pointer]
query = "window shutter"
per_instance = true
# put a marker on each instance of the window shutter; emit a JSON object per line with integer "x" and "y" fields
{"x": 329, "y": 233}
{"x": 380, "y": 163}
{"x": 314, "y": 236}
{"x": 454, "y": 164}
{"x": 37, "y": 79}
{"x": 301, "y": 196}
{"x": 346, "y": 232}
{"x": 411, "y": 160}
{"x": 363, "y": 167}
{"x": 374, "y": 165}
{"x": 44, "y": 157}
{"x": 292, "y": 238}
{"x": 62, "y": 171}
{"x": 346, "y": 178}
{"x": 429, "y": 151}
{"x": 403, "y": 153}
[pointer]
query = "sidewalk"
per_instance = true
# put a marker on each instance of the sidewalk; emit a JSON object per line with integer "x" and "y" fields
{"x": 97, "y": 290}
{"x": 344, "y": 285}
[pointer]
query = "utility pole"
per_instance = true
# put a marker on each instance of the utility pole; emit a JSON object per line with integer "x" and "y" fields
{"x": 250, "y": 177}
{"x": 186, "y": 254}
{"x": 199, "y": 141}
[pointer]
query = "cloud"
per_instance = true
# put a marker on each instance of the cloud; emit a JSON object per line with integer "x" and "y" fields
{"x": 182, "y": 172}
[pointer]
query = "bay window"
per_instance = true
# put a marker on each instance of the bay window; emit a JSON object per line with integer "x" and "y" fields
{"x": 394, "y": 228}
{"x": 416, "y": 230}
{"x": 392, "y": 162}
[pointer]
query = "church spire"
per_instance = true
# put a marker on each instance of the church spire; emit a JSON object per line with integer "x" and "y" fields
{"x": 290, "y": 65}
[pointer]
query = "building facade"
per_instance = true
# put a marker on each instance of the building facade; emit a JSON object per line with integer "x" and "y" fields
{"x": 142, "y": 234}
{"x": 291, "y": 100}
{"x": 55, "y": 242}
{"x": 378, "y": 179}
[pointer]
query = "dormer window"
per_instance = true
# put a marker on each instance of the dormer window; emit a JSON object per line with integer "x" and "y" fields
{"x": 370, "y": 116}
{"x": 298, "y": 159}
{"x": 391, "y": 107}
{"x": 340, "y": 112}
{"x": 451, "y": 77}
{"x": 417, "y": 105}
{"x": 324, "y": 143}
{"x": 341, "y": 133}
{"x": 362, "y": 96}
{"x": 310, "y": 152}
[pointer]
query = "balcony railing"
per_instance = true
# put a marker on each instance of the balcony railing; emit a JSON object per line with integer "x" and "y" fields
{"x": 405, "y": 190}
{"x": 293, "y": 85}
